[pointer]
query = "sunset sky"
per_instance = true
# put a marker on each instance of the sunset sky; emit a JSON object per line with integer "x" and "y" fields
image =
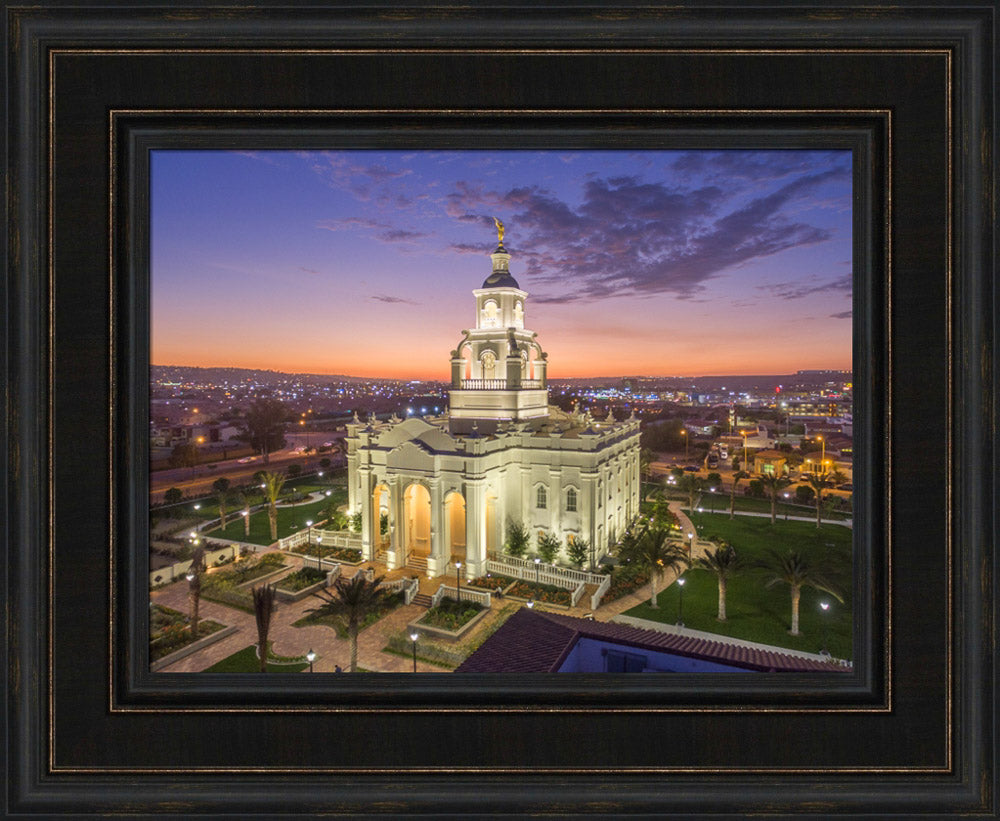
{"x": 679, "y": 263}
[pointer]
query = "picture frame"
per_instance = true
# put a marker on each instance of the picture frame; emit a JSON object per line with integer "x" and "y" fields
{"x": 91, "y": 731}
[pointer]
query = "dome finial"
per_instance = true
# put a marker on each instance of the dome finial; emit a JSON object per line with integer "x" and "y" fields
{"x": 499, "y": 226}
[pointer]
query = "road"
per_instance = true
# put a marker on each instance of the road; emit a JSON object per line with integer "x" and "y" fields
{"x": 198, "y": 481}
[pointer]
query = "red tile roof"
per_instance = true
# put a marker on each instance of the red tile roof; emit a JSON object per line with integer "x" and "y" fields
{"x": 535, "y": 642}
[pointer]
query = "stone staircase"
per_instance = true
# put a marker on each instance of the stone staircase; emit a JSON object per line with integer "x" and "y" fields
{"x": 418, "y": 562}
{"x": 422, "y": 599}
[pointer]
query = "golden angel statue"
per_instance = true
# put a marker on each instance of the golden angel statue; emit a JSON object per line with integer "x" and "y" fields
{"x": 499, "y": 231}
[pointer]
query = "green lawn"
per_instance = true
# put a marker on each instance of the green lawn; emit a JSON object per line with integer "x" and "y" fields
{"x": 290, "y": 520}
{"x": 246, "y": 661}
{"x": 719, "y": 503}
{"x": 754, "y": 612}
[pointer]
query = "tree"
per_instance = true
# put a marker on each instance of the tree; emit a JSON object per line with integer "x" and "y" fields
{"x": 337, "y": 520}
{"x": 646, "y": 457}
{"x": 221, "y": 488}
{"x": 649, "y": 548}
{"x": 723, "y": 563}
{"x": 264, "y": 604}
{"x": 755, "y": 489}
{"x": 774, "y": 483}
{"x": 352, "y": 599}
{"x": 324, "y": 463}
{"x": 577, "y": 550}
{"x": 714, "y": 480}
{"x": 818, "y": 482}
{"x": 184, "y": 455}
{"x": 797, "y": 571}
{"x": 690, "y": 484}
{"x": 173, "y": 496}
{"x": 264, "y": 426}
{"x": 194, "y": 586}
{"x": 273, "y": 483}
{"x": 517, "y": 539}
{"x": 804, "y": 494}
{"x": 294, "y": 471}
{"x": 245, "y": 503}
{"x": 548, "y": 547}
{"x": 738, "y": 476}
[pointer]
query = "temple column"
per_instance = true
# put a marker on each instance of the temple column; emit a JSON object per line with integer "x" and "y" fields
{"x": 437, "y": 561}
{"x": 475, "y": 529}
{"x": 365, "y": 502}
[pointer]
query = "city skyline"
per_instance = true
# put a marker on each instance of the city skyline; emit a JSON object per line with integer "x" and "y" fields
{"x": 665, "y": 263}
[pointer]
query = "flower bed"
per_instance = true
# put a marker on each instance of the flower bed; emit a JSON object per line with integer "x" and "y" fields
{"x": 451, "y": 615}
{"x": 347, "y": 555}
{"x": 248, "y": 569}
{"x": 625, "y": 582}
{"x": 491, "y": 581}
{"x": 301, "y": 579}
{"x": 170, "y": 630}
{"x": 547, "y": 593}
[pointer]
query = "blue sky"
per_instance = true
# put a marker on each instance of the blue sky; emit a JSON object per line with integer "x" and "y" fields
{"x": 637, "y": 262}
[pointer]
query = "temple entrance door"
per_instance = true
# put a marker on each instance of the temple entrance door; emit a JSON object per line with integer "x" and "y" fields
{"x": 417, "y": 515}
{"x": 454, "y": 517}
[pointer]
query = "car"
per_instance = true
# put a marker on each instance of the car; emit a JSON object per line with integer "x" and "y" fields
{"x": 245, "y": 460}
{"x": 846, "y": 486}
{"x": 691, "y": 468}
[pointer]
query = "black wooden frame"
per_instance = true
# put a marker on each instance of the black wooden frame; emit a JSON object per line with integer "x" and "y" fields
{"x": 90, "y": 90}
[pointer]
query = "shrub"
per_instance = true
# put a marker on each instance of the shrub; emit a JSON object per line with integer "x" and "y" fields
{"x": 491, "y": 581}
{"x": 294, "y": 470}
{"x": 300, "y": 579}
{"x": 517, "y": 539}
{"x": 324, "y": 462}
{"x": 804, "y": 494}
{"x": 451, "y": 614}
{"x": 173, "y": 496}
{"x": 756, "y": 489}
{"x": 578, "y": 550}
{"x": 356, "y": 521}
{"x": 548, "y": 593}
{"x": 548, "y": 547}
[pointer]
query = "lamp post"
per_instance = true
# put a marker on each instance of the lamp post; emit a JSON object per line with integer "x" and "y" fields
{"x": 538, "y": 570}
{"x": 413, "y": 638}
{"x": 746, "y": 464}
{"x": 531, "y": 603}
{"x": 690, "y": 544}
{"x": 822, "y": 458}
{"x": 786, "y": 506}
{"x": 680, "y": 601}
{"x": 246, "y": 522}
{"x": 711, "y": 501}
{"x": 825, "y": 606}
{"x": 684, "y": 433}
{"x": 197, "y": 506}
{"x": 310, "y": 657}
{"x": 309, "y": 539}
{"x": 458, "y": 580}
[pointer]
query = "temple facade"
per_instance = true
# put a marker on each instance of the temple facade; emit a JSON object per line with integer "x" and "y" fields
{"x": 440, "y": 491}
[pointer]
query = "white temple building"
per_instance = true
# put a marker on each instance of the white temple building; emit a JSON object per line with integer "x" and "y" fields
{"x": 449, "y": 484}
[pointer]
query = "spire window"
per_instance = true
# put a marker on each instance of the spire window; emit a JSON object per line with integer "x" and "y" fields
{"x": 491, "y": 314}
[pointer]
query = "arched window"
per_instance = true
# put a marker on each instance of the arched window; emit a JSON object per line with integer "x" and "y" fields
{"x": 489, "y": 360}
{"x": 491, "y": 314}
{"x": 518, "y": 314}
{"x": 541, "y": 497}
{"x": 571, "y": 500}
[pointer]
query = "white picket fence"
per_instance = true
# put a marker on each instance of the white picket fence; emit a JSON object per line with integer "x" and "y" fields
{"x": 603, "y": 587}
{"x": 468, "y": 594}
{"x": 536, "y": 573}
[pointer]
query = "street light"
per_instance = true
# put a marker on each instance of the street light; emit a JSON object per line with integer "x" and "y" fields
{"x": 458, "y": 580}
{"x": 690, "y": 544}
{"x": 786, "y": 495}
{"x": 825, "y": 606}
{"x": 309, "y": 538}
{"x": 413, "y": 638}
{"x": 746, "y": 463}
{"x": 680, "y": 602}
{"x": 711, "y": 501}
{"x": 538, "y": 570}
{"x": 197, "y": 506}
{"x": 684, "y": 433}
{"x": 310, "y": 657}
{"x": 823, "y": 443}
{"x": 531, "y": 603}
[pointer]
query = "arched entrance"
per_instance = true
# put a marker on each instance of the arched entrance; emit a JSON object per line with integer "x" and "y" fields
{"x": 417, "y": 516}
{"x": 454, "y": 517}
{"x": 380, "y": 508}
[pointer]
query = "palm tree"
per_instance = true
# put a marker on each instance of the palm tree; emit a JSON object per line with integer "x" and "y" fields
{"x": 263, "y": 609}
{"x": 817, "y": 481}
{"x": 774, "y": 483}
{"x": 221, "y": 488}
{"x": 690, "y": 484}
{"x": 194, "y": 586}
{"x": 352, "y": 599}
{"x": 797, "y": 571}
{"x": 723, "y": 563}
{"x": 246, "y": 503}
{"x": 650, "y": 549}
{"x": 738, "y": 476}
{"x": 273, "y": 482}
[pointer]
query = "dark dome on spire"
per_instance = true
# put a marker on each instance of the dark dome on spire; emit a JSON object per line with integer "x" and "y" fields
{"x": 500, "y": 279}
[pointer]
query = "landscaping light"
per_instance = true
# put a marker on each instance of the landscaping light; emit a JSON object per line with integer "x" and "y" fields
{"x": 680, "y": 602}
{"x": 531, "y": 603}
{"x": 825, "y": 605}
{"x": 310, "y": 657}
{"x": 197, "y": 507}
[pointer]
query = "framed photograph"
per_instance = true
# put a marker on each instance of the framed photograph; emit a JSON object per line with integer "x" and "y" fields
{"x": 475, "y": 306}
